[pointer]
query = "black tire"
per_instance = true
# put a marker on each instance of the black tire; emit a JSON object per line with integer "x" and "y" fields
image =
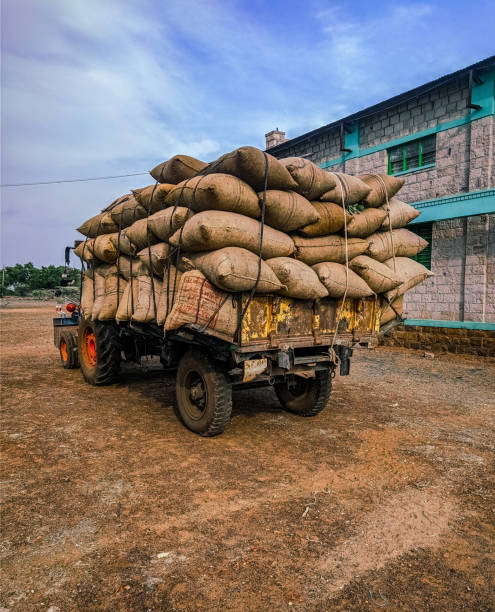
{"x": 68, "y": 350}
{"x": 306, "y": 396}
{"x": 99, "y": 351}
{"x": 208, "y": 412}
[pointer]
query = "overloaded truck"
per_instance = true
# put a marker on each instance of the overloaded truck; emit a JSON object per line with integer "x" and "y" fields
{"x": 246, "y": 272}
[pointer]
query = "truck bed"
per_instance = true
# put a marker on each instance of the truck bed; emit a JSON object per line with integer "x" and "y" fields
{"x": 271, "y": 321}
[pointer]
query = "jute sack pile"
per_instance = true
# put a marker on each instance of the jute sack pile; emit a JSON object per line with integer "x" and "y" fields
{"x": 205, "y": 218}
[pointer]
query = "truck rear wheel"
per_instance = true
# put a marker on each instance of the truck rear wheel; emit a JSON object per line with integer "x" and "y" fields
{"x": 305, "y": 396}
{"x": 204, "y": 395}
{"x": 68, "y": 350}
{"x": 99, "y": 352}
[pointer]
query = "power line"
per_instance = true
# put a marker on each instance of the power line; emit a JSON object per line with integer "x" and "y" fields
{"x": 79, "y": 180}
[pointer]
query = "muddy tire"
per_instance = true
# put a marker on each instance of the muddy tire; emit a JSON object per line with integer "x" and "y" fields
{"x": 68, "y": 350}
{"x": 99, "y": 352}
{"x": 306, "y": 396}
{"x": 204, "y": 395}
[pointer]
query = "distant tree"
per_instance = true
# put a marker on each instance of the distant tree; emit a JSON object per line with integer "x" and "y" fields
{"x": 24, "y": 278}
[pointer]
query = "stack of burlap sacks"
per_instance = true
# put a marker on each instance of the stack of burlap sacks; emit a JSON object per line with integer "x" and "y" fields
{"x": 177, "y": 252}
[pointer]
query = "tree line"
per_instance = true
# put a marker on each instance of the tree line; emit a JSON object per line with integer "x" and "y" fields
{"x": 22, "y": 279}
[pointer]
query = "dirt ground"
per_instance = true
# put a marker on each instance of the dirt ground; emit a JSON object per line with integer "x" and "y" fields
{"x": 385, "y": 499}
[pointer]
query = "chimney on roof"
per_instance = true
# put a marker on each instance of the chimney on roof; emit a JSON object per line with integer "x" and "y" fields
{"x": 274, "y": 138}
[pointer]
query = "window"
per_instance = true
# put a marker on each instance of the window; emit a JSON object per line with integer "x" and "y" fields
{"x": 412, "y": 155}
{"x": 424, "y": 230}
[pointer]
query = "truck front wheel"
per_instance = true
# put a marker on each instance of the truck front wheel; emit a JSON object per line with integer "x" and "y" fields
{"x": 204, "y": 395}
{"x": 99, "y": 352}
{"x": 305, "y": 396}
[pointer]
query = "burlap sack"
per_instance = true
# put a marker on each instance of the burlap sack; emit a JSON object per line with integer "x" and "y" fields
{"x": 234, "y": 269}
{"x": 249, "y": 164}
{"x": 169, "y": 290}
{"x": 108, "y": 226}
{"x": 405, "y": 244}
{"x": 140, "y": 235}
{"x": 377, "y": 276}
{"x": 155, "y": 257}
{"x": 122, "y": 243}
{"x": 159, "y": 193}
{"x": 92, "y": 227}
{"x": 411, "y": 272}
{"x": 312, "y": 181}
{"x": 400, "y": 214}
{"x": 216, "y": 192}
{"x": 215, "y": 229}
{"x": 125, "y": 264}
{"x": 199, "y": 303}
{"x": 104, "y": 248}
{"x": 128, "y": 302}
{"x": 84, "y": 250}
{"x": 299, "y": 280}
{"x": 333, "y": 277}
{"x": 148, "y": 295}
{"x": 166, "y": 222}
{"x": 387, "y": 313}
{"x": 327, "y": 248}
{"x": 114, "y": 290}
{"x": 177, "y": 169}
{"x": 287, "y": 210}
{"x": 98, "y": 294}
{"x": 376, "y": 197}
{"x": 365, "y": 223}
{"x": 331, "y": 219}
{"x": 87, "y": 294}
{"x": 353, "y": 189}
{"x": 127, "y": 211}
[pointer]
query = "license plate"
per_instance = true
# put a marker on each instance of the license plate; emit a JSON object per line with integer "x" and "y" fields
{"x": 254, "y": 367}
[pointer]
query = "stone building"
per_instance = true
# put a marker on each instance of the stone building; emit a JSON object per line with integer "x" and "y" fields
{"x": 439, "y": 137}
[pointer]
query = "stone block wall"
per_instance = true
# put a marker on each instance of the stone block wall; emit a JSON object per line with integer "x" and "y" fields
{"x": 463, "y": 262}
{"x": 443, "y": 340}
{"x": 440, "y": 105}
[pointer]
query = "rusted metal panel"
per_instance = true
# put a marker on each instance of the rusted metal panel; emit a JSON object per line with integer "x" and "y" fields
{"x": 271, "y": 320}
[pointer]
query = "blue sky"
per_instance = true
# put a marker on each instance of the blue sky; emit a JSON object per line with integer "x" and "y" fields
{"x": 102, "y": 87}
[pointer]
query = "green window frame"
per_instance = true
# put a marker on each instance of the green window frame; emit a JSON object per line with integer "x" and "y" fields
{"x": 412, "y": 155}
{"x": 425, "y": 231}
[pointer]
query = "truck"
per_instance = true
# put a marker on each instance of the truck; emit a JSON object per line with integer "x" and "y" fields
{"x": 292, "y": 345}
